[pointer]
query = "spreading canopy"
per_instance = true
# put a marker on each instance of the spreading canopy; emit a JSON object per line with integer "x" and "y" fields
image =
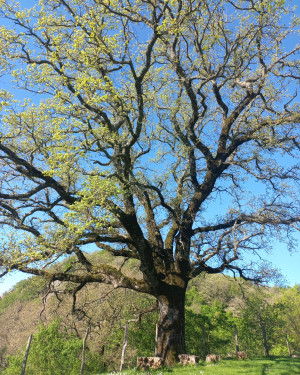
{"x": 164, "y": 131}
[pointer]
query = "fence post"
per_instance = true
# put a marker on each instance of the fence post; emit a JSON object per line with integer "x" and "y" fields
{"x": 236, "y": 338}
{"x": 204, "y": 351}
{"x": 288, "y": 344}
{"x": 83, "y": 351}
{"x": 124, "y": 346}
{"x": 26, "y": 355}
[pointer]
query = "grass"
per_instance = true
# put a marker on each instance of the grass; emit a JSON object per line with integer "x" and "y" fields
{"x": 272, "y": 366}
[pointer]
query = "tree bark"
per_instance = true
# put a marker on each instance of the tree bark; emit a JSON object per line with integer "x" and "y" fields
{"x": 171, "y": 327}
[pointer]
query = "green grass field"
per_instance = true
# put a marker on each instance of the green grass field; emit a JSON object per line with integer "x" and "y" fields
{"x": 274, "y": 366}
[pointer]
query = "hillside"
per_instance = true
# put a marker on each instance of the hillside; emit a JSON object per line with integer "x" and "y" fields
{"x": 215, "y": 304}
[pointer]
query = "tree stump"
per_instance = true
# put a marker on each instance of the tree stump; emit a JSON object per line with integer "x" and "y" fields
{"x": 188, "y": 359}
{"x": 213, "y": 358}
{"x": 241, "y": 355}
{"x": 144, "y": 363}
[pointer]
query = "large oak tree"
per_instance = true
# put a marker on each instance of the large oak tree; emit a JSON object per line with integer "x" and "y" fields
{"x": 164, "y": 131}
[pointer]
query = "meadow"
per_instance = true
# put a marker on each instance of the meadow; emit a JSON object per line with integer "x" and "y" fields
{"x": 272, "y": 366}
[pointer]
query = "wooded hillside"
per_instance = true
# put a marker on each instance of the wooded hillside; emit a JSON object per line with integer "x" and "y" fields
{"x": 267, "y": 319}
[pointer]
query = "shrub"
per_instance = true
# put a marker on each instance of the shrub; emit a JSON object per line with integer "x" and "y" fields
{"x": 53, "y": 352}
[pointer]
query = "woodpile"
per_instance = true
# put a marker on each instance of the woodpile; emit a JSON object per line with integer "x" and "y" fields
{"x": 241, "y": 355}
{"x": 188, "y": 359}
{"x": 144, "y": 363}
{"x": 213, "y": 358}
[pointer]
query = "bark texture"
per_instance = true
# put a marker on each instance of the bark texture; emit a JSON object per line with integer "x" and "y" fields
{"x": 171, "y": 328}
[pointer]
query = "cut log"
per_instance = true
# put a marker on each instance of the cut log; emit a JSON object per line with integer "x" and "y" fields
{"x": 144, "y": 363}
{"x": 188, "y": 359}
{"x": 241, "y": 355}
{"x": 213, "y": 358}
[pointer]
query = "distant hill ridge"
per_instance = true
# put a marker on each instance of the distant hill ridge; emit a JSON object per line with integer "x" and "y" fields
{"x": 210, "y": 298}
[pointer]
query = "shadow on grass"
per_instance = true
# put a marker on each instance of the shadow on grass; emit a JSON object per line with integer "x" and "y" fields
{"x": 265, "y": 369}
{"x": 287, "y": 359}
{"x": 286, "y": 366}
{"x": 258, "y": 366}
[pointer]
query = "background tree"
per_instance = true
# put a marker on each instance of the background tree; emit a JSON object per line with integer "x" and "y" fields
{"x": 103, "y": 309}
{"x": 289, "y": 305}
{"x": 139, "y": 118}
{"x": 258, "y": 322}
{"x": 53, "y": 350}
{"x": 209, "y": 327}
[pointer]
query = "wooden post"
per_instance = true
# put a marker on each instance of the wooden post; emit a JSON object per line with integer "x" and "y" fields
{"x": 203, "y": 342}
{"x": 236, "y": 338}
{"x": 124, "y": 347}
{"x": 288, "y": 344}
{"x": 156, "y": 336}
{"x": 83, "y": 351}
{"x": 26, "y": 355}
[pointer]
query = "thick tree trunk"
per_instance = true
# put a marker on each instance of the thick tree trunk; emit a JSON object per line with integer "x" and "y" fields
{"x": 171, "y": 327}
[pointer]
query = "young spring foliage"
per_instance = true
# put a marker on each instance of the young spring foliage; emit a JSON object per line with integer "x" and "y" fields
{"x": 138, "y": 120}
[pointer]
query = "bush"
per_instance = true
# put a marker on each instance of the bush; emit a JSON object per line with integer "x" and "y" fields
{"x": 53, "y": 352}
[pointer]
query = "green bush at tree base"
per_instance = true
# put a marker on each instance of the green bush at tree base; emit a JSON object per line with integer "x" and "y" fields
{"x": 54, "y": 351}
